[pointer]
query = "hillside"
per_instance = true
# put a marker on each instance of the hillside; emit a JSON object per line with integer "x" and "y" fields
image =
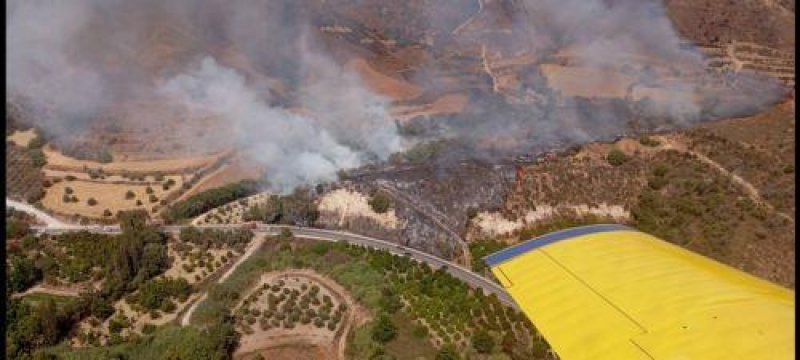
{"x": 723, "y": 189}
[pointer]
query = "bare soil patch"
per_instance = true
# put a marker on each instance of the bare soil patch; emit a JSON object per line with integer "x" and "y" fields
{"x": 22, "y": 137}
{"x": 383, "y": 84}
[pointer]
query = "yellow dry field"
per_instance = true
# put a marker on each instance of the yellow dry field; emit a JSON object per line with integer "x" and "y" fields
{"x": 109, "y": 196}
{"x": 22, "y": 138}
{"x": 587, "y": 82}
{"x": 57, "y": 160}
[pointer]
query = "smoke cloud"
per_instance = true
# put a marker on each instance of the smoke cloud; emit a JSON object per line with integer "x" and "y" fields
{"x": 333, "y": 122}
{"x": 260, "y": 68}
{"x": 613, "y": 43}
{"x": 345, "y": 129}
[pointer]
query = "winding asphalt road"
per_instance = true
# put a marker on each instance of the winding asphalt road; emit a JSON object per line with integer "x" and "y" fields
{"x": 55, "y": 226}
{"x": 464, "y": 274}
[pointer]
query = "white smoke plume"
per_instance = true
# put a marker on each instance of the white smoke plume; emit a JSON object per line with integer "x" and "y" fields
{"x": 333, "y": 123}
{"x": 347, "y": 127}
{"x": 38, "y": 61}
{"x": 77, "y": 58}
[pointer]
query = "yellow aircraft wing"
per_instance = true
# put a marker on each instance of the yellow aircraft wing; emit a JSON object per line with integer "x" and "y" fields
{"x": 609, "y": 292}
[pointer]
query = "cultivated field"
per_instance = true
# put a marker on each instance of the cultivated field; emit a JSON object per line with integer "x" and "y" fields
{"x": 109, "y": 196}
{"x": 291, "y": 307}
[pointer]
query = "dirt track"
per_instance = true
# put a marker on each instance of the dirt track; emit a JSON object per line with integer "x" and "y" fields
{"x": 39, "y": 214}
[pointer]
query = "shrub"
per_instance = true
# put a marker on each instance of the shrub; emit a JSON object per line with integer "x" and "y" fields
{"x": 149, "y": 190}
{"x": 68, "y": 190}
{"x": 383, "y": 330}
{"x": 448, "y": 352}
{"x": 616, "y": 157}
{"x": 91, "y": 202}
{"x": 657, "y": 183}
{"x": 35, "y": 196}
{"x": 419, "y": 331}
{"x": 482, "y": 342}
{"x": 129, "y": 195}
{"x": 153, "y": 198}
{"x": 472, "y": 212}
{"x": 660, "y": 170}
{"x": 37, "y": 142}
{"x": 107, "y": 213}
{"x": 148, "y": 328}
{"x": 380, "y": 203}
{"x": 139, "y": 203}
{"x": 648, "y": 141}
{"x": 38, "y": 159}
{"x": 105, "y": 156}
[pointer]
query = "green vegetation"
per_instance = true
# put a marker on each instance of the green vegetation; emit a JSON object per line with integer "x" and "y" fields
{"x": 380, "y": 202}
{"x": 383, "y": 330}
{"x": 481, "y": 248}
{"x": 297, "y": 208}
{"x": 482, "y": 342}
{"x": 15, "y": 228}
{"x": 616, "y": 157}
{"x": 30, "y": 327}
{"x": 420, "y": 152}
{"x": 199, "y": 203}
{"x": 215, "y": 342}
{"x": 448, "y": 352}
{"x": 648, "y": 141}
{"x": 687, "y": 205}
{"x": 276, "y": 305}
{"x": 38, "y": 159}
{"x": 22, "y": 274}
{"x": 37, "y": 298}
{"x": 129, "y": 195}
{"x": 124, "y": 262}
{"x": 104, "y": 156}
{"x": 37, "y": 142}
{"x": 216, "y": 238}
{"x": 158, "y": 294}
{"x": 377, "y": 280}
